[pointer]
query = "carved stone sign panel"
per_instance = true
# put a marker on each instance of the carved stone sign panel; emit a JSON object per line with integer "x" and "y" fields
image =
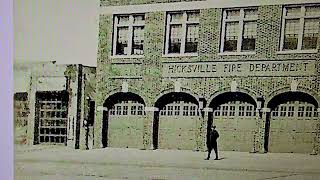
{"x": 248, "y": 68}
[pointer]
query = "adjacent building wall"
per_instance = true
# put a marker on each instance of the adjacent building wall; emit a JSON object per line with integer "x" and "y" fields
{"x": 34, "y": 78}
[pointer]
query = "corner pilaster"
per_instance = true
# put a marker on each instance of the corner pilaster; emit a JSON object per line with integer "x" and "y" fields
{"x": 204, "y": 124}
{"x": 148, "y": 127}
{"x": 316, "y": 140}
{"x": 261, "y": 126}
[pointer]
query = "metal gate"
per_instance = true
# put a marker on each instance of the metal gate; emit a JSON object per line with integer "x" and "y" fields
{"x": 52, "y": 115}
{"x": 178, "y": 126}
{"x": 292, "y": 127}
{"x": 235, "y": 123}
{"x": 125, "y": 125}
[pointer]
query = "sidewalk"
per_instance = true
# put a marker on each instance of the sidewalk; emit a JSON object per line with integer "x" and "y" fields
{"x": 230, "y": 161}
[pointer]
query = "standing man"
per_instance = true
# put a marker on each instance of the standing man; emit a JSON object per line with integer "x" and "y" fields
{"x": 212, "y": 142}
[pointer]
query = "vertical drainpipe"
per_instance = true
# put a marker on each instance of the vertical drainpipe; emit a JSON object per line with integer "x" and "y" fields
{"x": 79, "y": 92}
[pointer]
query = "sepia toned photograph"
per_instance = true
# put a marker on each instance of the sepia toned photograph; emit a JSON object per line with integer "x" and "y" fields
{"x": 166, "y": 89}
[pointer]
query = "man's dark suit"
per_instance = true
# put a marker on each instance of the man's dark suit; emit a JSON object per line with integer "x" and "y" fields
{"x": 212, "y": 143}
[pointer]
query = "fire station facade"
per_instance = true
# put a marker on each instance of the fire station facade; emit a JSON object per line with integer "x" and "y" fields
{"x": 168, "y": 71}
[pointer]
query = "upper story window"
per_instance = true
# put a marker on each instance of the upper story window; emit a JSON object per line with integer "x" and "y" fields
{"x": 182, "y": 32}
{"x": 239, "y": 30}
{"x": 300, "y": 27}
{"x": 128, "y": 34}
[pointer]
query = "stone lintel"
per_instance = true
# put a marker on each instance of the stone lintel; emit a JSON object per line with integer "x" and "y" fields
{"x": 151, "y": 109}
{"x": 207, "y": 109}
{"x": 101, "y": 108}
{"x": 266, "y": 110}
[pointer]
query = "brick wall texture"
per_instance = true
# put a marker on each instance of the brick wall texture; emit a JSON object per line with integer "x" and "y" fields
{"x": 150, "y": 82}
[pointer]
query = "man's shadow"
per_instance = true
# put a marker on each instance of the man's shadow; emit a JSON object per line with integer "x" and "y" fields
{"x": 219, "y": 159}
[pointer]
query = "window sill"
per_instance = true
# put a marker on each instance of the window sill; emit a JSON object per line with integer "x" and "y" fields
{"x": 181, "y": 55}
{"x": 236, "y": 53}
{"x": 126, "y": 56}
{"x": 297, "y": 51}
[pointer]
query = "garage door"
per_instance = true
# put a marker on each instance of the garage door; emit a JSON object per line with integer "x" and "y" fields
{"x": 235, "y": 123}
{"x": 178, "y": 126}
{"x": 52, "y": 117}
{"x": 292, "y": 127}
{"x": 125, "y": 126}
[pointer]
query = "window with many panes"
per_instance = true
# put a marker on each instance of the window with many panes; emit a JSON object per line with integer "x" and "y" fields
{"x": 241, "y": 110}
{"x": 225, "y": 110}
{"x": 283, "y": 111}
{"x": 176, "y": 110}
{"x": 239, "y": 30}
{"x": 309, "y": 111}
{"x": 128, "y": 34}
{"x": 133, "y": 110}
{"x": 185, "y": 110}
{"x": 232, "y": 110}
{"x": 163, "y": 111}
{"x": 140, "y": 110}
{"x": 217, "y": 111}
{"x": 193, "y": 111}
{"x": 300, "y": 27}
{"x": 291, "y": 111}
{"x": 170, "y": 110}
{"x": 275, "y": 112}
{"x": 180, "y": 108}
{"x": 235, "y": 108}
{"x": 301, "y": 111}
{"x": 127, "y": 108}
{"x": 249, "y": 111}
{"x": 294, "y": 109}
{"x": 315, "y": 113}
{"x": 182, "y": 34}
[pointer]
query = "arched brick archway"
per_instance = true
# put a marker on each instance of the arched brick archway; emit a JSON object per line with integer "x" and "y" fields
{"x": 248, "y": 92}
{"x": 301, "y": 90}
{"x": 171, "y": 90}
{"x": 175, "y": 124}
{"x": 234, "y": 114}
{"x": 122, "y": 124}
{"x": 113, "y": 92}
{"x": 290, "y": 124}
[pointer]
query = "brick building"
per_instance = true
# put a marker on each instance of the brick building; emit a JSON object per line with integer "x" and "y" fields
{"x": 168, "y": 70}
{"x": 52, "y": 102}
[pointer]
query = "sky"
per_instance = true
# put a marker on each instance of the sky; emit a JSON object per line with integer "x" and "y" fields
{"x": 65, "y": 31}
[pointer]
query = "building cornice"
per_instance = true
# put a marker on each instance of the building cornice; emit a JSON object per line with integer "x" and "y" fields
{"x": 177, "y": 6}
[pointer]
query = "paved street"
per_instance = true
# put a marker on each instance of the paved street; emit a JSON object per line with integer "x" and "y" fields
{"x": 62, "y": 163}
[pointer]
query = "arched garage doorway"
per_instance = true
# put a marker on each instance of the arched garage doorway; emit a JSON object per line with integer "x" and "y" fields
{"x": 291, "y": 123}
{"x": 175, "y": 125}
{"x": 234, "y": 114}
{"x": 123, "y": 121}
